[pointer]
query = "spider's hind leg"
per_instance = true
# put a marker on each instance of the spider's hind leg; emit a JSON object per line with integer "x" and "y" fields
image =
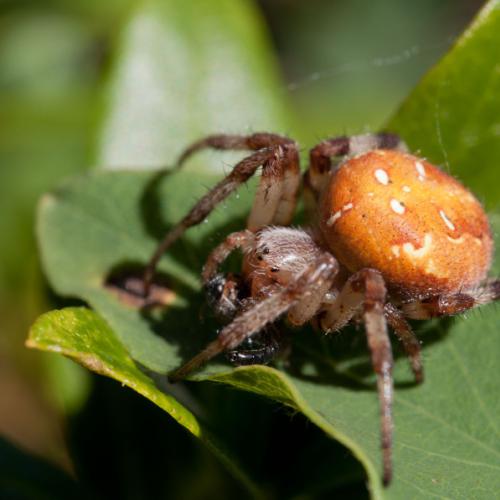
{"x": 326, "y": 155}
{"x": 455, "y": 303}
{"x": 365, "y": 293}
{"x": 408, "y": 339}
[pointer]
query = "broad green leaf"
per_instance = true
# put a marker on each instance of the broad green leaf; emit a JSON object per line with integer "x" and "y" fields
{"x": 100, "y": 221}
{"x": 444, "y": 442}
{"x": 452, "y": 116}
{"x": 181, "y": 70}
{"x": 82, "y": 335}
{"x": 108, "y": 220}
{"x": 184, "y": 70}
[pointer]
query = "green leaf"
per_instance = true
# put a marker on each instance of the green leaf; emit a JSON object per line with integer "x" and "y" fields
{"x": 108, "y": 220}
{"x": 82, "y": 335}
{"x": 446, "y": 431}
{"x": 452, "y": 116}
{"x": 181, "y": 70}
{"x": 83, "y": 236}
{"x": 444, "y": 442}
{"x": 186, "y": 69}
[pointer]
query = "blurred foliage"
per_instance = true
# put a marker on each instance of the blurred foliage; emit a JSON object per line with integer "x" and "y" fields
{"x": 47, "y": 85}
{"x": 181, "y": 70}
{"x": 347, "y": 64}
{"x": 455, "y": 120}
{"x": 23, "y": 476}
{"x": 79, "y": 334}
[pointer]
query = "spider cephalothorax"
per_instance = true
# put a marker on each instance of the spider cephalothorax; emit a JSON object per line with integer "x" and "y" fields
{"x": 390, "y": 237}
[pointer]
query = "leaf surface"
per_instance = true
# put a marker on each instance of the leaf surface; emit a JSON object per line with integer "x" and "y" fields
{"x": 82, "y": 335}
{"x": 435, "y": 437}
{"x": 179, "y": 70}
{"x": 446, "y": 437}
{"x": 184, "y": 70}
{"x": 452, "y": 115}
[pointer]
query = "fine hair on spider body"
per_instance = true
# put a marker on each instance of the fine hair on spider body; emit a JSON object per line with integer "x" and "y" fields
{"x": 389, "y": 237}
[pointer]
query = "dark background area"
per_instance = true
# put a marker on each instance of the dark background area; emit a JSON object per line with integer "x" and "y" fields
{"x": 346, "y": 66}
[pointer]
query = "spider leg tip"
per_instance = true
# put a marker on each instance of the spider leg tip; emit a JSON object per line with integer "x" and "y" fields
{"x": 387, "y": 477}
{"x": 173, "y": 377}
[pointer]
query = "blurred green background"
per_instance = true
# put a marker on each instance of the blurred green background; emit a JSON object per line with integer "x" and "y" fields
{"x": 345, "y": 65}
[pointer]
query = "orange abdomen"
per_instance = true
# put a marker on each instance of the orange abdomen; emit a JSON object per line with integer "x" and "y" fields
{"x": 422, "y": 229}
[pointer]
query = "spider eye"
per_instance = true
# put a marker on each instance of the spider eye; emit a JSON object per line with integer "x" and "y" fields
{"x": 274, "y": 269}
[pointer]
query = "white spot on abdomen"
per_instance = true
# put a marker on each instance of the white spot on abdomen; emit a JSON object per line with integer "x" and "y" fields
{"x": 418, "y": 252}
{"x": 397, "y": 206}
{"x": 420, "y": 169}
{"x": 431, "y": 268}
{"x": 382, "y": 176}
{"x": 456, "y": 241}
{"x": 447, "y": 221}
{"x": 338, "y": 214}
{"x": 334, "y": 218}
{"x": 406, "y": 189}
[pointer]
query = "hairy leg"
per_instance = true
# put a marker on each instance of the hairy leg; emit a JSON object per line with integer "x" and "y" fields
{"x": 224, "y": 142}
{"x": 225, "y": 298}
{"x": 307, "y": 307}
{"x": 275, "y": 199}
{"x": 450, "y": 304}
{"x": 381, "y": 353}
{"x": 439, "y": 305}
{"x": 241, "y": 239}
{"x": 347, "y": 304}
{"x": 321, "y": 156}
{"x": 276, "y": 195}
{"x": 263, "y": 312}
{"x": 408, "y": 339}
{"x": 365, "y": 292}
{"x": 223, "y": 291}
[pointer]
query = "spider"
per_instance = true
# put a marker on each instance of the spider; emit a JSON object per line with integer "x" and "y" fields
{"x": 390, "y": 237}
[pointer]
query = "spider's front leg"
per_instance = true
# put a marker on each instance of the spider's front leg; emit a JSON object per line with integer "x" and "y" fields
{"x": 227, "y": 296}
{"x": 264, "y": 312}
{"x": 366, "y": 290}
{"x": 275, "y": 198}
{"x": 225, "y": 292}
